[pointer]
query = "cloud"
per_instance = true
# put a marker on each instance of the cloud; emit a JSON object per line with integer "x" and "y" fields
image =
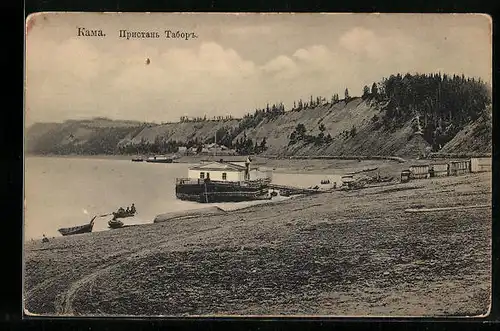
{"x": 366, "y": 43}
{"x": 316, "y": 54}
{"x": 362, "y": 41}
{"x": 80, "y": 78}
{"x": 281, "y": 67}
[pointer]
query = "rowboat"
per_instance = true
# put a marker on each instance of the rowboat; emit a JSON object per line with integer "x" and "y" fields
{"x": 78, "y": 229}
{"x": 115, "y": 224}
{"x": 123, "y": 214}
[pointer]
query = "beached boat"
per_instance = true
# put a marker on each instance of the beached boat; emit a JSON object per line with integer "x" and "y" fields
{"x": 159, "y": 159}
{"x": 115, "y": 224}
{"x": 78, "y": 229}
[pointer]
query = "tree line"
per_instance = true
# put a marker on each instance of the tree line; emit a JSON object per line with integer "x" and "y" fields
{"x": 187, "y": 119}
{"x": 438, "y": 105}
{"x": 299, "y": 134}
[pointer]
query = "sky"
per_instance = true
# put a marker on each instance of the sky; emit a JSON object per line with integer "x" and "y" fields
{"x": 237, "y": 63}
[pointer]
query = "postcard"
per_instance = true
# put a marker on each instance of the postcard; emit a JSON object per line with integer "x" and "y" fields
{"x": 257, "y": 165}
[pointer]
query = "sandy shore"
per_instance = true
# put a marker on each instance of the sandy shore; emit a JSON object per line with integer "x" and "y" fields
{"x": 342, "y": 253}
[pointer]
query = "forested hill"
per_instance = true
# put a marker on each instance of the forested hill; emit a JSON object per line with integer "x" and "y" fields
{"x": 406, "y": 115}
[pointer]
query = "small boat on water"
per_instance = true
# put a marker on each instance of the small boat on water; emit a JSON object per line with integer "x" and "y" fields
{"x": 78, "y": 229}
{"x": 115, "y": 224}
{"x": 123, "y": 214}
{"x": 137, "y": 159}
{"x": 159, "y": 159}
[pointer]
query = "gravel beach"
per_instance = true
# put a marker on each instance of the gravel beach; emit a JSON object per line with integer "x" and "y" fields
{"x": 352, "y": 253}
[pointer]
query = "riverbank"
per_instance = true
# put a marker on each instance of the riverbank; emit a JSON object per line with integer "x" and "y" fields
{"x": 79, "y": 156}
{"x": 313, "y": 166}
{"x": 353, "y": 253}
{"x": 340, "y": 166}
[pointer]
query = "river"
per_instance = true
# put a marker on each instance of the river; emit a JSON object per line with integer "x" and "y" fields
{"x": 65, "y": 191}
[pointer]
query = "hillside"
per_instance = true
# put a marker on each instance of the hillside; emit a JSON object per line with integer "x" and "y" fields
{"x": 182, "y": 132}
{"x": 96, "y": 136}
{"x": 370, "y": 137}
{"x": 475, "y": 137}
{"x": 405, "y": 116}
{"x": 339, "y": 119}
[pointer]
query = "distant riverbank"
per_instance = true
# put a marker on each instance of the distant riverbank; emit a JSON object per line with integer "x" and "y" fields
{"x": 284, "y": 165}
{"x": 90, "y": 156}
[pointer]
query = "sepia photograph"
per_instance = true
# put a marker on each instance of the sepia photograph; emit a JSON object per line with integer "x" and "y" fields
{"x": 257, "y": 165}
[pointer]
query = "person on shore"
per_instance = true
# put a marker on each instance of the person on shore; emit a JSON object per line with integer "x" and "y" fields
{"x": 132, "y": 209}
{"x": 45, "y": 239}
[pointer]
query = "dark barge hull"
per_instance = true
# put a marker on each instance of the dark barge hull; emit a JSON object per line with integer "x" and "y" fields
{"x": 209, "y": 192}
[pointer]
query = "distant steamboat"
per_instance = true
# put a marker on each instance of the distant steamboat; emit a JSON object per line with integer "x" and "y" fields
{"x": 159, "y": 159}
{"x": 223, "y": 181}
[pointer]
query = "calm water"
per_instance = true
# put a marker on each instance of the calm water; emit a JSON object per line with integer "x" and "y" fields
{"x": 64, "y": 192}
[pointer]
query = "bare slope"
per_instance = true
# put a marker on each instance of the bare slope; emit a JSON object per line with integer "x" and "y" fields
{"x": 183, "y": 131}
{"x": 356, "y": 129}
{"x": 473, "y": 138}
{"x": 339, "y": 119}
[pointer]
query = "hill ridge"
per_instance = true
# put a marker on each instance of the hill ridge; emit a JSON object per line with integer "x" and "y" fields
{"x": 354, "y": 127}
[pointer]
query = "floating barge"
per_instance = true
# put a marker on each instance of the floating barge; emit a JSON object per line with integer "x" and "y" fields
{"x": 223, "y": 181}
{"x": 206, "y": 190}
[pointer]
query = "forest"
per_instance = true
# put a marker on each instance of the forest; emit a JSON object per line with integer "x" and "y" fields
{"x": 437, "y": 105}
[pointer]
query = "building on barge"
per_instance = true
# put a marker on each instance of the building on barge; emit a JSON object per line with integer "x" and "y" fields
{"x": 223, "y": 181}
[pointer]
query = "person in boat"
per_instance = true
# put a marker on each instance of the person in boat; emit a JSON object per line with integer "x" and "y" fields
{"x": 121, "y": 210}
{"x": 132, "y": 209}
{"x": 127, "y": 210}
